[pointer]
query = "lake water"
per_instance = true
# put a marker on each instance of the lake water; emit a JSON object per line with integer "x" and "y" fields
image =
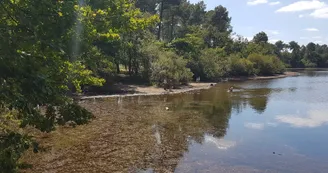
{"x": 278, "y": 125}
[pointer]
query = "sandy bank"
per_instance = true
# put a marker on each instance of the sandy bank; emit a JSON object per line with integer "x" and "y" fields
{"x": 141, "y": 90}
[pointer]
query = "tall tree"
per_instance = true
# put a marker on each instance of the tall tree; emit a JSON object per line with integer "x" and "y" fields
{"x": 46, "y": 48}
{"x": 219, "y": 18}
{"x": 148, "y": 6}
{"x": 295, "y": 59}
{"x": 280, "y": 45}
{"x": 165, "y": 5}
{"x": 197, "y": 16}
{"x": 260, "y": 37}
{"x": 218, "y": 26}
{"x": 311, "y": 57}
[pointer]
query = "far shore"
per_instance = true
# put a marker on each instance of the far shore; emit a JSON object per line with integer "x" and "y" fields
{"x": 142, "y": 90}
{"x": 286, "y": 74}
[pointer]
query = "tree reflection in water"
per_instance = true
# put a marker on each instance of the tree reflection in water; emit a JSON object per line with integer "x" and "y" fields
{"x": 138, "y": 133}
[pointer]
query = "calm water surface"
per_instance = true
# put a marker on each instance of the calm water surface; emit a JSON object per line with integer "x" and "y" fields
{"x": 278, "y": 125}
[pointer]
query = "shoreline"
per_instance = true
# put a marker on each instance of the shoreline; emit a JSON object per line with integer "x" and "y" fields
{"x": 153, "y": 91}
{"x": 286, "y": 74}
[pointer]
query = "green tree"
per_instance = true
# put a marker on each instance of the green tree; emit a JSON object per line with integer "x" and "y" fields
{"x": 190, "y": 15}
{"x": 240, "y": 66}
{"x": 266, "y": 64}
{"x": 264, "y": 48}
{"x": 171, "y": 68}
{"x": 261, "y": 37}
{"x": 311, "y": 57}
{"x": 219, "y": 18}
{"x": 214, "y": 64}
{"x": 323, "y": 52}
{"x": 218, "y": 27}
{"x": 48, "y": 49}
{"x": 165, "y": 5}
{"x": 279, "y": 47}
{"x": 147, "y": 5}
{"x": 239, "y": 46}
{"x": 295, "y": 55}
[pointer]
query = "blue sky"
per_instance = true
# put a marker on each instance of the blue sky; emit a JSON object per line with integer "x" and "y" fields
{"x": 299, "y": 20}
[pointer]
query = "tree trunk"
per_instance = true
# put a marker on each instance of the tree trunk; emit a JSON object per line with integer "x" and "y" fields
{"x": 160, "y": 21}
{"x": 130, "y": 62}
{"x": 117, "y": 67}
{"x": 130, "y": 55}
{"x": 172, "y": 27}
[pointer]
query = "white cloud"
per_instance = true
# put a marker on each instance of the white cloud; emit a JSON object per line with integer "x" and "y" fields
{"x": 274, "y": 3}
{"x": 318, "y": 41}
{"x": 304, "y": 38}
{"x": 317, "y": 37}
{"x": 221, "y": 144}
{"x": 234, "y": 37}
{"x": 249, "y": 27}
{"x": 273, "y": 40}
{"x": 272, "y": 124}
{"x": 314, "y": 119}
{"x": 257, "y": 2}
{"x": 320, "y": 13}
{"x": 301, "y": 16}
{"x": 312, "y": 29}
{"x": 257, "y": 126}
{"x": 302, "y": 6}
{"x": 273, "y": 32}
{"x": 249, "y": 38}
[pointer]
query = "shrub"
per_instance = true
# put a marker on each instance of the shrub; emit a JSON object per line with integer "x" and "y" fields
{"x": 265, "y": 64}
{"x": 149, "y": 52}
{"x": 308, "y": 64}
{"x": 240, "y": 66}
{"x": 279, "y": 66}
{"x": 170, "y": 67}
{"x": 214, "y": 64}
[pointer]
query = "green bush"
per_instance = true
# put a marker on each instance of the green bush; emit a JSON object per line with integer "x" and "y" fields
{"x": 214, "y": 64}
{"x": 279, "y": 66}
{"x": 266, "y": 64}
{"x": 170, "y": 67}
{"x": 308, "y": 64}
{"x": 240, "y": 66}
{"x": 149, "y": 52}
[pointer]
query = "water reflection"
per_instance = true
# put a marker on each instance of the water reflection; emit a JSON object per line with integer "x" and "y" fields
{"x": 315, "y": 118}
{"x": 221, "y": 144}
{"x": 132, "y": 134}
{"x": 257, "y": 126}
{"x": 259, "y": 99}
{"x": 211, "y": 130}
